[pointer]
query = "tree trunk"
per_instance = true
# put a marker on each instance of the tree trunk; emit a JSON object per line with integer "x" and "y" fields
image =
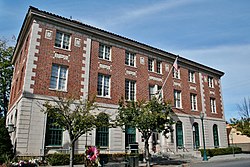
{"x": 147, "y": 156}
{"x": 71, "y": 158}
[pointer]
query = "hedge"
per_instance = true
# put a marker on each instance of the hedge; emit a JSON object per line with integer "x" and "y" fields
{"x": 221, "y": 151}
{"x": 63, "y": 159}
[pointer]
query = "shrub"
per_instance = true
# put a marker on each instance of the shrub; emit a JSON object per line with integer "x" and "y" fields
{"x": 221, "y": 151}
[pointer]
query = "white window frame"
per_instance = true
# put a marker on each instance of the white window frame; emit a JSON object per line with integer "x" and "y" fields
{"x": 177, "y": 98}
{"x": 62, "y": 40}
{"x": 213, "y": 105}
{"x": 103, "y": 85}
{"x": 176, "y": 73}
{"x": 159, "y": 67}
{"x": 210, "y": 82}
{"x": 155, "y": 89}
{"x": 129, "y": 90}
{"x": 103, "y": 51}
{"x": 193, "y": 101}
{"x": 151, "y": 64}
{"x": 130, "y": 59}
{"x": 58, "y": 77}
{"x": 191, "y": 76}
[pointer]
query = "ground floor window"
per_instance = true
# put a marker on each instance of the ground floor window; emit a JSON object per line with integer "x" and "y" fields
{"x": 54, "y": 133}
{"x": 102, "y": 136}
{"x": 196, "y": 138}
{"x": 179, "y": 134}
{"x": 216, "y": 136}
{"x": 130, "y": 136}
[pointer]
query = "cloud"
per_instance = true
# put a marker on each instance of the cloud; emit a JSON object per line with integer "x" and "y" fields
{"x": 142, "y": 13}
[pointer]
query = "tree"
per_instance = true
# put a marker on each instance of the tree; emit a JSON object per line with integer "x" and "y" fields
{"x": 147, "y": 117}
{"x": 6, "y": 70}
{"x": 73, "y": 116}
{"x": 6, "y": 148}
{"x": 243, "y": 124}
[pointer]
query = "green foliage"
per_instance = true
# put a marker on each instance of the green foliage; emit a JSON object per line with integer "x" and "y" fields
{"x": 5, "y": 142}
{"x": 6, "y": 70}
{"x": 243, "y": 124}
{"x": 63, "y": 159}
{"x": 147, "y": 117}
{"x": 221, "y": 151}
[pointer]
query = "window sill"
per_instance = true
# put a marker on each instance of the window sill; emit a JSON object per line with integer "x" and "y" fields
{"x": 58, "y": 90}
{"x": 194, "y": 110}
{"x": 62, "y": 49}
{"x": 191, "y": 82}
{"x": 104, "y": 59}
{"x": 155, "y": 72}
{"x": 214, "y": 113}
{"x": 104, "y": 97}
{"x": 130, "y": 66}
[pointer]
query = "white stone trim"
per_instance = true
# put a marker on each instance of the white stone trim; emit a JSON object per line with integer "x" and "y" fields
{"x": 33, "y": 43}
{"x": 85, "y": 76}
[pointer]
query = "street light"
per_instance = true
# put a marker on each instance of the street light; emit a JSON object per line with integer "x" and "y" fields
{"x": 205, "y": 153}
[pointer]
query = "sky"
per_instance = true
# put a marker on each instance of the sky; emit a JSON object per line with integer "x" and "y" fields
{"x": 215, "y": 33}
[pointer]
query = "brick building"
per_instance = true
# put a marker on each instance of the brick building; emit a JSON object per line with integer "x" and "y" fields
{"x": 54, "y": 54}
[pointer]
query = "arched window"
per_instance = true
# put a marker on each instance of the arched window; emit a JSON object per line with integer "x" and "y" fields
{"x": 179, "y": 134}
{"x": 216, "y": 136}
{"x": 196, "y": 138}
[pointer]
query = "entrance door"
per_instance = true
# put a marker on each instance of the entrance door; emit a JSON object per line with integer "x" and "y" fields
{"x": 179, "y": 135}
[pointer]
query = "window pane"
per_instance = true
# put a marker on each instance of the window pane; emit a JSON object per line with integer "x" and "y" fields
{"x": 106, "y": 86}
{"x": 127, "y": 90}
{"x": 99, "y": 85}
{"x": 101, "y": 51}
{"x": 66, "y": 41}
{"x": 53, "y": 81}
{"x": 58, "y": 39}
{"x": 132, "y": 59}
{"x": 107, "y": 52}
{"x": 127, "y": 59}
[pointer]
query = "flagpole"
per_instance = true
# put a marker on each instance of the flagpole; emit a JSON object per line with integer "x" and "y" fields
{"x": 165, "y": 81}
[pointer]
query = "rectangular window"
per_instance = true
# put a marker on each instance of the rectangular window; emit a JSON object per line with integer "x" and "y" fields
{"x": 58, "y": 78}
{"x": 150, "y": 64}
{"x": 159, "y": 67}
{"x": 177, "y": 98}
{"x": 176, "y": 73}
{"x": 210, "y": 82}
{"x": 62, "y": 40}
{"x": 103, "y": 85}
{"x": 130, "y": 135}
{"x": 54, "y": 133}
{"x": 191, "y": 76}
{"x": 130, "y": 90}
{"x": 193, "y": 101}
{"x": 213, "y": 105}
{"x": 130, "y": 59}
{"x": 154, "y": 91}
{"x": 104, "y": 52}
{"x": 102, "y": 136}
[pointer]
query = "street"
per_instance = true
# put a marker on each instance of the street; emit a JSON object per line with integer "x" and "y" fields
{"x": 229, "y": 163}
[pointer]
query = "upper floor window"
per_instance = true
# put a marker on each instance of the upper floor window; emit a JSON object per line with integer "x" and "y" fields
{"x": 210, "y": 82}
{"x": 103, "y": 85}
{"x": 104, "y": 52}
{"x": 153, "y": 91}
{"x": 213, "y": 105}
{"x": 193, "y": 101}
{"x": 159, "y": 67}
{"x": 191, "y": 76}
{"x": 150, "y": 64}
{"x": 176, "y": 73}
{"x": 58, "y": 79}
{"x": 130, "y": 59}
{"x": 177, "y": 98}
{"x": 62, "y": 40}
{"x": 130, "y": 90}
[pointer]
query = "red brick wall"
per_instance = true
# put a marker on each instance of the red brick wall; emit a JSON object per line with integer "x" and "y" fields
{"x": 118, "y": 75}
{"x": 46, "y": 59}
{"x": 19, "y": 71}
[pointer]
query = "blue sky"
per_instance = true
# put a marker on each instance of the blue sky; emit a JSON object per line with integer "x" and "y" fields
{"x": 212, "y": 32}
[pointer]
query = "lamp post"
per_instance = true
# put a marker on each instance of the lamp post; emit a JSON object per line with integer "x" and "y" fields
{"x": 205, "y": 153}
